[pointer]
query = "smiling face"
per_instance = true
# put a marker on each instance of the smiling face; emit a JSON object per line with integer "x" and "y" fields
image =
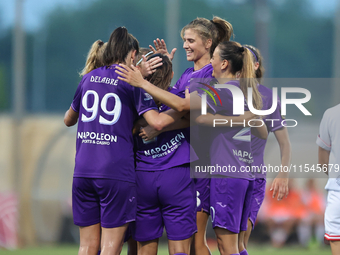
{"x": 194, "y": 46}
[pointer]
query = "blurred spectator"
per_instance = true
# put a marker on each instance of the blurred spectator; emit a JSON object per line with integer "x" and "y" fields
{"x": 282, "y": 216}
{"x": 314, "y": 203}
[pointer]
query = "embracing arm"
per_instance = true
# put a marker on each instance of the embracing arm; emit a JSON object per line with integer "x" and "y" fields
{"x": 219, "y": 120}
{"x": 71, "y": 117}
{"x": 133, "y": 76}
{"x": 173, "y": 101}
{"x": 159, "y": 121}
{"x": 213, "y": 120}
{"x": 260, "y": 132}
{"x": 148, "y": 133}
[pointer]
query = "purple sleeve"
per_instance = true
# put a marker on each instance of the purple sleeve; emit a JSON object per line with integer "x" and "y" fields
{"x": 276, "y": 118}
{"x": 143, "y": 101}
{"x": 77, "y": 97}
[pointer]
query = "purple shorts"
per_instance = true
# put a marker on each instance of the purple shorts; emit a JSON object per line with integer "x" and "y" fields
{"x": 165, "y": 198}
{"x": 202, "y": 186}
{"x": 258, "y": 197}
{"x": 230, "y": 203}
{"x": 111, "y": 203}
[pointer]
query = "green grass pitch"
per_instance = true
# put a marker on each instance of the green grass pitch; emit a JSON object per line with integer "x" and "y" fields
{"x": 163, "y": 250}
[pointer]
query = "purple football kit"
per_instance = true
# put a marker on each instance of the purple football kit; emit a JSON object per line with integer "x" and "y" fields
{"x": 273, "y": 123}
{"x": 104, "y": 175}
{"x": 166, "y": 193}
{"x": 231, "y": 184}
{"x": 202, "y": 184}
{"x": 166, "y": 198}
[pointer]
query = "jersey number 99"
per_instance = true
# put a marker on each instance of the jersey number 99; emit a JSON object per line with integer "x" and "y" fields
{"x": 115, "y": 112}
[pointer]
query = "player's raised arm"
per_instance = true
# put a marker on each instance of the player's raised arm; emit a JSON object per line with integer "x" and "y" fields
{"x": 160, "y": 47}
{"x": 132, "y": 76}
{"x": 213, "y": 120}
{"x": 259, "y": 131}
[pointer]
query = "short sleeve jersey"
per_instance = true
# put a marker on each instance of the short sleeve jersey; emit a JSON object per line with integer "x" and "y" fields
{"x": 329, "y": 139}
{"x": 273, "y": 123}
{"x": 107, "y": 109}
{"x": 170, "y": 148}
{"x": 189, "y": 75}
{"x": 230, "y": 148}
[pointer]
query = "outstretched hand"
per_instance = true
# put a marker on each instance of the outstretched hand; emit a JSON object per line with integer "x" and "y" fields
{"x": 160, "y": 47}
{"x": 130, "y": 75}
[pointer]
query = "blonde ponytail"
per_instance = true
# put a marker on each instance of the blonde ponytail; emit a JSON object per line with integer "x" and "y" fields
{"x": 248, "y": 78}
{"x": 94, "y": 57}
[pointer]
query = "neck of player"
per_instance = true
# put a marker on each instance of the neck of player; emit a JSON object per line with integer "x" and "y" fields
{"x": 203, "y": 61}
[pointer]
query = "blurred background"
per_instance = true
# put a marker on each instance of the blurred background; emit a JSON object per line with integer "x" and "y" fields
{"x": 43, "y": 46}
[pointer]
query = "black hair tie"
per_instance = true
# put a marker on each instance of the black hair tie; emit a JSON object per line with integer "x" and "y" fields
{"x": 241, "y": 49}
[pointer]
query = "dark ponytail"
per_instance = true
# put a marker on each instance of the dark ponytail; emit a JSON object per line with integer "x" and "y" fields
{"x": 241, "y": 60}
{"x": 224, "y": 32}
{"x": 119, "y": 46}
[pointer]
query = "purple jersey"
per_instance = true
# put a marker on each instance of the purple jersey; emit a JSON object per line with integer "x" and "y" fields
{"x": 230, "y": 149}
{"x": 169, "y": 149}
{"x": 107, "y": 109}
{"x": 188, "y": 75}
{"x": 273, "y": 122}
{"x": 187, "y": 80}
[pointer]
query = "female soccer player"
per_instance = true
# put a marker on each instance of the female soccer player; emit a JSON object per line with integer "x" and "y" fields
{"x": 95, "y": 60}
{"x": 165, "y": 191}
{"x": 201, "y": 36}
{"x": 280, "y": 183}
{"x": 230, "y": 197}
{"x": 228, "y": 59}
{"x": 104, "y": 193}
{"x": 258, "y": 146}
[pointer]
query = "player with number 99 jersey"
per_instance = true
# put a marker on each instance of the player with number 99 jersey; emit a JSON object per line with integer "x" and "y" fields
{"x": 107, "y": 109}
{"x": 104, "y": 160}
